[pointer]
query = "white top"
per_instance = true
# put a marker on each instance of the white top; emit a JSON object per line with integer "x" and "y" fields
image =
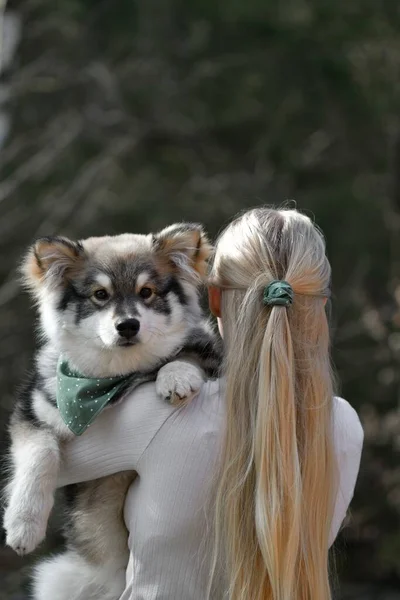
{"x": 174, "y": 452}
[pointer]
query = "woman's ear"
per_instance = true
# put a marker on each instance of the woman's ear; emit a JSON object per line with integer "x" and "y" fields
{"x": 214, "y": 301}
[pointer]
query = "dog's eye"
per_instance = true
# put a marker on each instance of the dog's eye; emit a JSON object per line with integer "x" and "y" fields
{"x": 145, "y": 293}
{"x": 101, "y": 295}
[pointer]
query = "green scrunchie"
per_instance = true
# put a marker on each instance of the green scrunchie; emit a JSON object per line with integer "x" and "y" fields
{"x": 278, "y": 293}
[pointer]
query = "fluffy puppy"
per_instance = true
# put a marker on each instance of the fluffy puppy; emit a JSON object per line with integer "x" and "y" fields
{"x": 127, "y": 307}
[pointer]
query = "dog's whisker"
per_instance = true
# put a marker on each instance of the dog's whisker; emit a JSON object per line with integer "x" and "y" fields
{"x": 158, "y": 333}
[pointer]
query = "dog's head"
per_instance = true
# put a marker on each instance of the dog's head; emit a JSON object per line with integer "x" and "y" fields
{"x": 119, "y": 302}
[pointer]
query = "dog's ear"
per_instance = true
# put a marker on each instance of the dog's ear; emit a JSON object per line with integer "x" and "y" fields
{"x": 186, "y": 246}
{"x": 51, "y": 260}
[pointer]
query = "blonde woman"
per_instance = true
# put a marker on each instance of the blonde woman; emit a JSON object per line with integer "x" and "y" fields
{"x": 241, "y": 493}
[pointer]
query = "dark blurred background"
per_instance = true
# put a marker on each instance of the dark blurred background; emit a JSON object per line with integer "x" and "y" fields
{"x": 120, "y": 115}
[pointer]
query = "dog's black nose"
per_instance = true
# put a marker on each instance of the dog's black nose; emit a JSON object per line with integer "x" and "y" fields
{"x": 129, "y": 328}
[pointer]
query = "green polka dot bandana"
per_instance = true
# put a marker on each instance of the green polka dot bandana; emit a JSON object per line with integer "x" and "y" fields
{"x": 80, "y": 399}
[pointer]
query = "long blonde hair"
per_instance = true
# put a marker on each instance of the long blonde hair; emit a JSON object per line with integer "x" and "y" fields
{"x": 277, "y": 482}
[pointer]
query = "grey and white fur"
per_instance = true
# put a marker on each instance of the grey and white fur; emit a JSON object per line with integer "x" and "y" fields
{"x": 111, "y": 306}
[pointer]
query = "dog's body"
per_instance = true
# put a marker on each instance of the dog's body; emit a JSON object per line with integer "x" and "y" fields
{"x": 109, "y": 306}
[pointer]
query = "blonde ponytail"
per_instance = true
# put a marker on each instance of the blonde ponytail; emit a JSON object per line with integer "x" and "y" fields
{"x": 277, "y": 481}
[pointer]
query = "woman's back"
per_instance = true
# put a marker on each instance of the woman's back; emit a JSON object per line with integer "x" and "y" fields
{"x": 169, "y": 508}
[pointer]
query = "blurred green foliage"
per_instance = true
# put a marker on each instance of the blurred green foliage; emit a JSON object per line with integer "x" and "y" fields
{"x": 130, "y": 115}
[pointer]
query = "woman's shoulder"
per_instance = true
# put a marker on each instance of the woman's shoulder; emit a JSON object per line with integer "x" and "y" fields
{"x": 195, "y": 426}
{"x": 346, "y": 422}
{"x": 208, "y": 407}
{"x": 205, "y": 410}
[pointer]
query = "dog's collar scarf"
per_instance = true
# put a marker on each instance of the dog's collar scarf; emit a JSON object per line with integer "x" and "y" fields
{"x": 80, "y": 399}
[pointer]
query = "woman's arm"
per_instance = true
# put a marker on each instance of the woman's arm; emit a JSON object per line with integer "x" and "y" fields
{"x": 348, "y": 439}
{"x": 117, "y": 438}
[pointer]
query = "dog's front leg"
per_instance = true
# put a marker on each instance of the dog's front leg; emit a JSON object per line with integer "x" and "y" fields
{"x": 35, "y": 458}
{"x": 179, "y": 380}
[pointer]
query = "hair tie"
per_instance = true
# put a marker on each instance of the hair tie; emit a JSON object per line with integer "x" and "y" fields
{"x": 278, "y": 293}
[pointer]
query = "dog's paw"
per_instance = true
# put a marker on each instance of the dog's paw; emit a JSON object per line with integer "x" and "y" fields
{"x": 24, "y": 533}
{"x": 179, "y": 381}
